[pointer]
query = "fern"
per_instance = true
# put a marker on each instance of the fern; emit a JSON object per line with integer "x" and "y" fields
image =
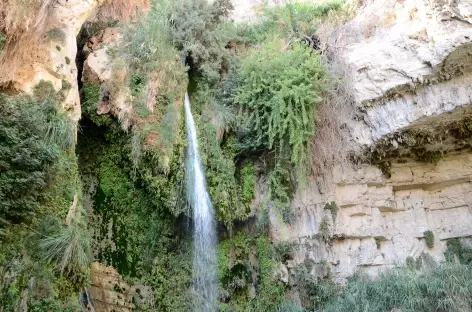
{"x": 279, "y": 90}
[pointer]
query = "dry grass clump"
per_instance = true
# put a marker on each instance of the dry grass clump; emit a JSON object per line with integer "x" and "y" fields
{"x": 332, "y": 143}
{"x": 24, "y": 23}
{"x": 123, "y": 9}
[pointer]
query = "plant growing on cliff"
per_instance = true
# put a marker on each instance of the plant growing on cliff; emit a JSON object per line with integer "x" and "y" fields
{"x": 280, "y": 88}
{"x": 32, "y": 133}
{"x": 200, "y": 34}
{"x": 3, "y": 39}
{"x": 429, "y": 237}
{"x": 294, "y": 20}
{"x": 68, "y": 248}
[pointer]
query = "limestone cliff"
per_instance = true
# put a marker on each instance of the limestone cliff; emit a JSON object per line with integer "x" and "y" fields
{"x": 409, "y": 64}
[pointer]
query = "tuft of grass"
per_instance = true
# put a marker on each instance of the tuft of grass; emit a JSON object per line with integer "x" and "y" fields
{"x": 61, "y": 131}
{"x": 69, "y": 249}
{"x": 3, "y": 40}
{"x": 445, "y": 288}
{"x": 67, "y": 59}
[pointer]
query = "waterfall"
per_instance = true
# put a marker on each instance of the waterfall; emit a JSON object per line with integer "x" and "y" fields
{"x": 204, "y": 253}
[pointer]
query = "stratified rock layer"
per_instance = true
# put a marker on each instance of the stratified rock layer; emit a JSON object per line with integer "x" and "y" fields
{"x": 410, "y": 65}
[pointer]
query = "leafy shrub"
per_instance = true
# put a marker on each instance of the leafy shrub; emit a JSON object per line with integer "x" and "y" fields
{"x": 333, "y": 208}
{"x": 456, "y": 249}
{"x": 283, "y": 251}
{"x": 31, "y": 135}
{"x": 199, "y": 33}
{"x": 429, "y": 237}
{"x": 314, "y": 292}
{"x": 279, "y": 92}
{"x": 324, "y": 230}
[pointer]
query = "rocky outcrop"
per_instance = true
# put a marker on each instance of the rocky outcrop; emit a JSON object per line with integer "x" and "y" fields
{"x": 408, "y": 60}
{"x": 108, "y": 291}
{"x": 377, "y": 222}
{"x": 410, "y": 67}
{"x": 55, "y": 59}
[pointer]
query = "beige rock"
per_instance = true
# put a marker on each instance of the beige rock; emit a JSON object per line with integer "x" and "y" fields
{"x": 108, "y": 291}
{"x": 58, "y": 65}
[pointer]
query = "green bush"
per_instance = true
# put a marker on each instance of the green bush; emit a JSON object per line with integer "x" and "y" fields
{"x": 199, "y": 32}
{"x": 290, "y": 306}
{"x": 429, "y": 237}
{"x": 32, "y": 134}
{"x": 314, "y": 292}
{"x": 283, "y": 251}
{"x": 455, "y": 249}
{"x": 279, "y": 91}
{"x": 294, "y": 20}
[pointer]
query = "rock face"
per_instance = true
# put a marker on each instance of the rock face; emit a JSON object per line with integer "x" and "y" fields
{"x": 108, "y": 292}
{"x": 55, "y": 61}
{"x": 380, "y": 222}
{"x": 410, "y": 65}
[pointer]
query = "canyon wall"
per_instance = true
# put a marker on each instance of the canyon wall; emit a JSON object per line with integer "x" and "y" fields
{"x": 410, "y": 67}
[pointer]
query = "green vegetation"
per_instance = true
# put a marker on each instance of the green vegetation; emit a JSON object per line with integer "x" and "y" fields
{"x": 446, "y": 288}
{"x": 314, "y": 292}
{"x": 429, "y": 237}
{"x": 43, "y": 254}
{"x": 324, "y": 231}
{"x": 333, "y": 208}
{"x": 254, "y": 92}
{"x": 200, "y": 33}
{"x": 33, "y": 133}
{"x": 295, "y": 20}
{"x": 378, "y": 242}
{"x": 137, "y": 231}
{"x": 457, "y": 251}
{"x": 234, "y": 271}
{"x": 68, "y": 248}
{"x": 270, "y": 291}
{"x": 3, "y": 40}
{"x": 279, "y": 93}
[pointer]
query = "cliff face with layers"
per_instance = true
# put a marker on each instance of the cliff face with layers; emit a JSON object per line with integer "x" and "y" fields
{"x": 409, "y": 65}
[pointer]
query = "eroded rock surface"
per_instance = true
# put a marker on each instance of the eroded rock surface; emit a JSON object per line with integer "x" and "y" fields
{"x": 108, "y": 291}
{"x": 55, "y": 60}
{"x": 380, "y": 222}
{"x": 410, "y": 64}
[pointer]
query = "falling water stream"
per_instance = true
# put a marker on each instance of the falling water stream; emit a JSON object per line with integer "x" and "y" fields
{"x": 204, "y": 253}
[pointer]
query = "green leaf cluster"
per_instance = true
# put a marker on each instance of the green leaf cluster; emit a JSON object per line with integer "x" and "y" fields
{"x": 280, "y": 88}
{"x": 32, "y": 134}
